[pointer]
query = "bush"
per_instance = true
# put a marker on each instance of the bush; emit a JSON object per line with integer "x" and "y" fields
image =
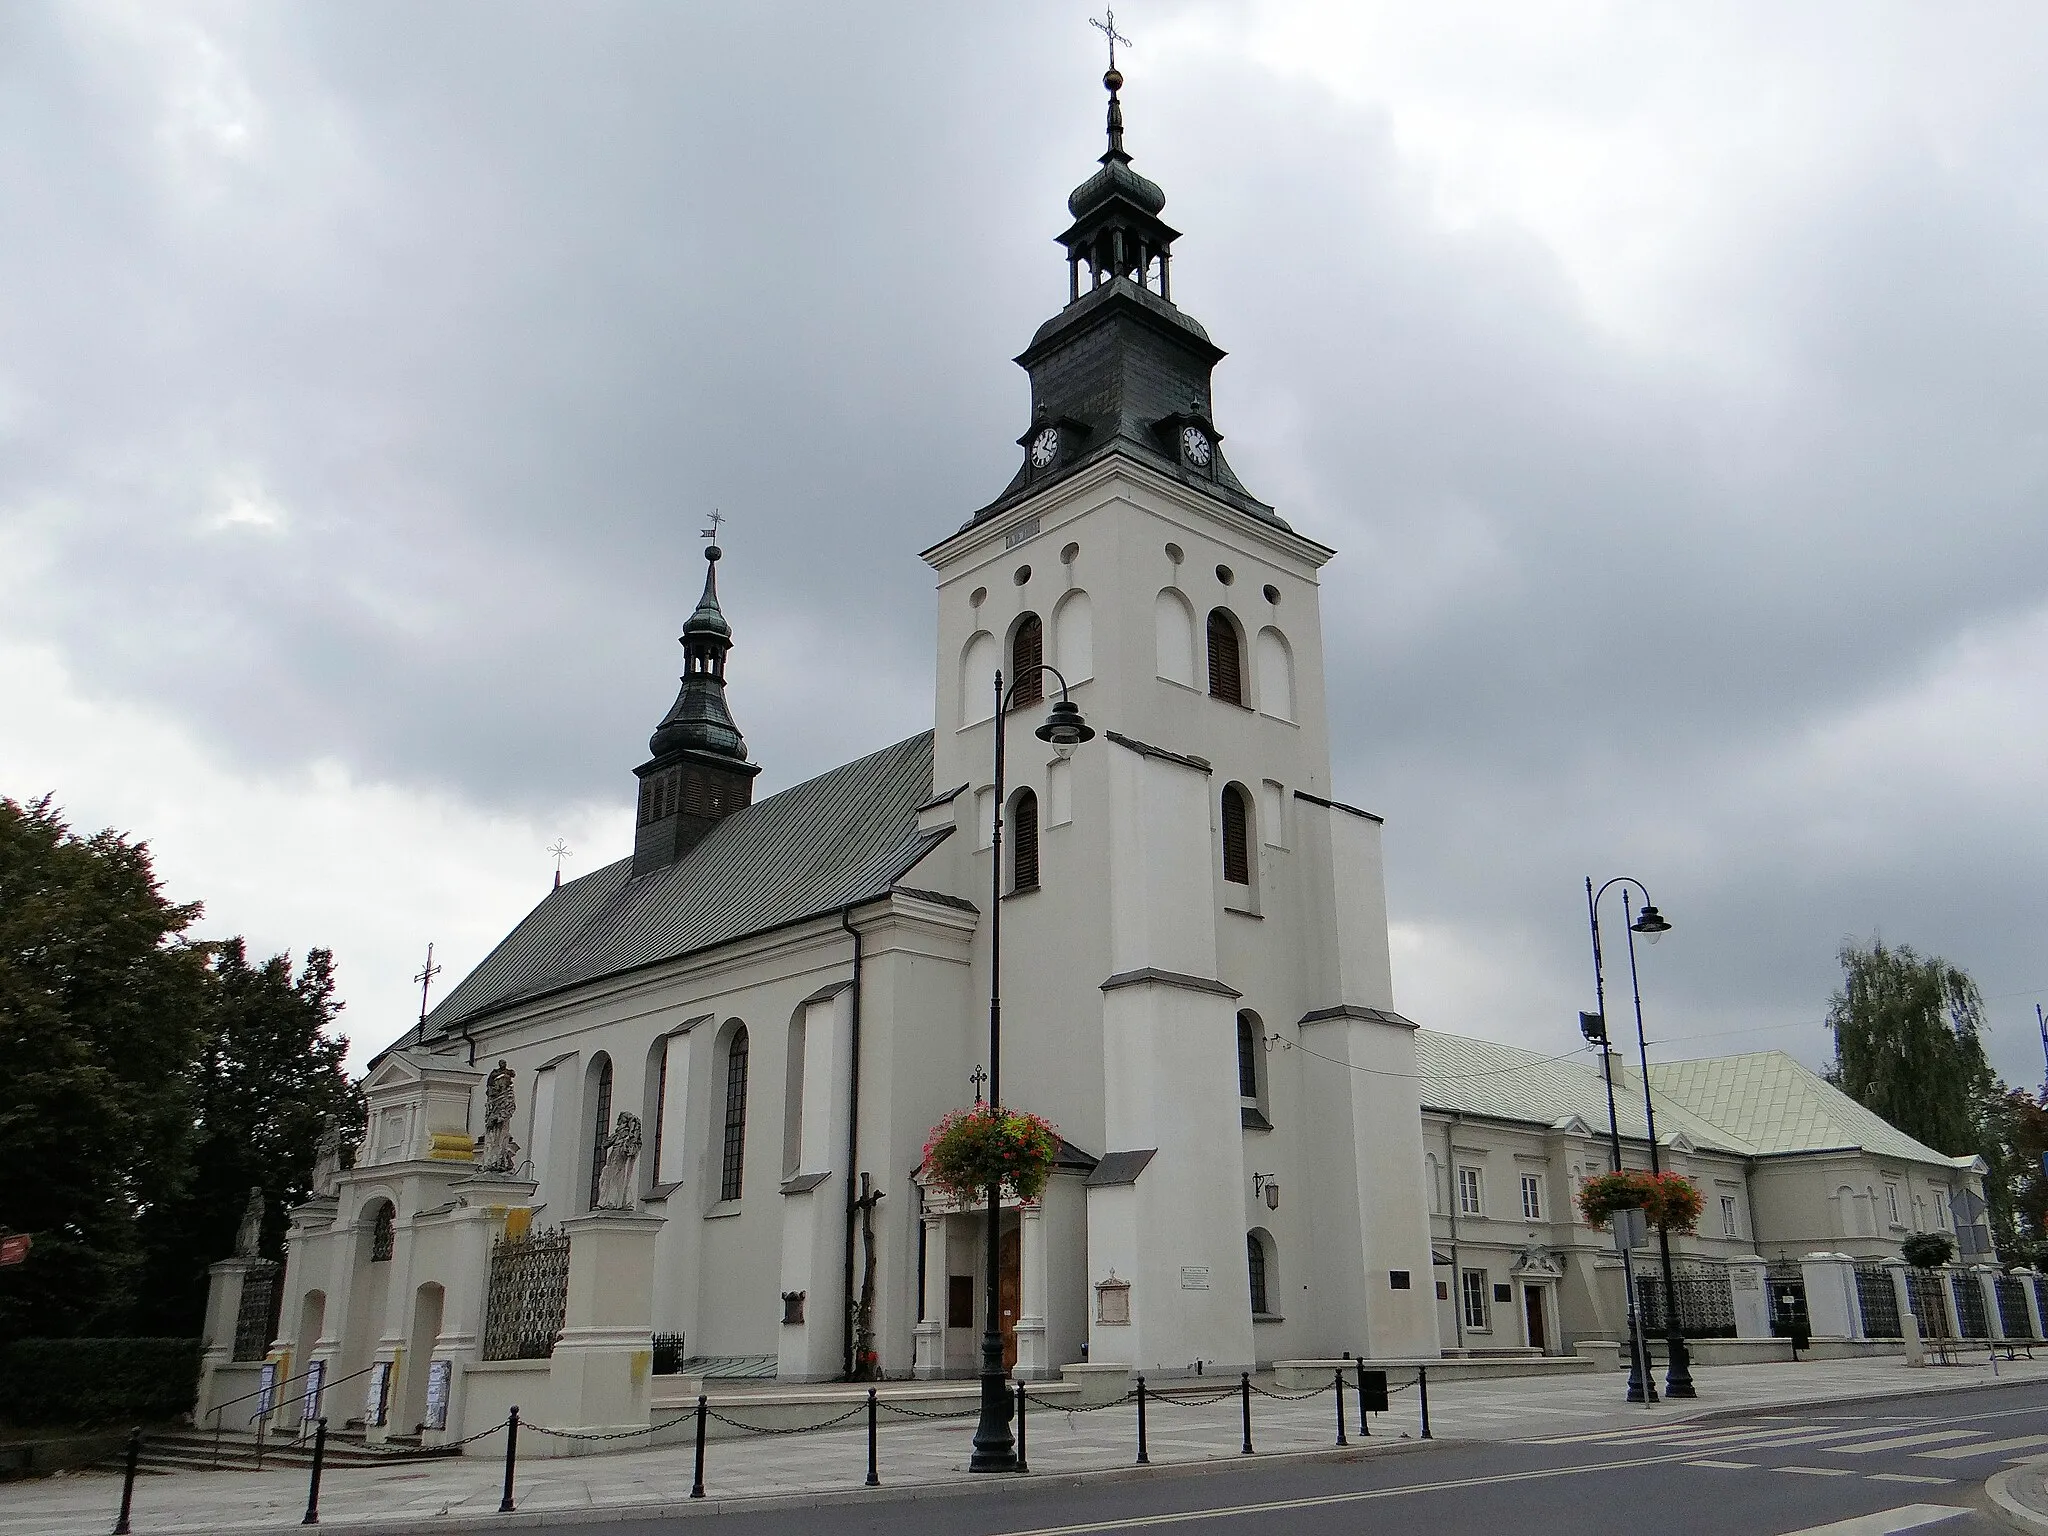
{"x": 1927, "y": 1250}
{"x": 97, "y": 1381}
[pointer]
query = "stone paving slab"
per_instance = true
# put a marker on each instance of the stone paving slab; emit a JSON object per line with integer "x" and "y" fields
{"x": 923, "y": 1455}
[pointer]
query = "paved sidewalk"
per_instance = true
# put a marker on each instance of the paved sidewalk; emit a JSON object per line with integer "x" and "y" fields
{"x": 931, "y": 1455}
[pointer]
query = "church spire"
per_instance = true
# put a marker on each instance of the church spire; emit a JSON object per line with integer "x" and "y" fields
{"x": 699, "y": 773}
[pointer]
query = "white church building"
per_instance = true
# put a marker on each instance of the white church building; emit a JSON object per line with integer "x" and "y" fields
{"x": 791, "y": 992}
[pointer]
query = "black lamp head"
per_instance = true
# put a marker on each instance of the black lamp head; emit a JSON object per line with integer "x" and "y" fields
{"x": 1594, "y": 1027}
{"x": 1065, "y": 728}
{"x": 1650, "y": 923}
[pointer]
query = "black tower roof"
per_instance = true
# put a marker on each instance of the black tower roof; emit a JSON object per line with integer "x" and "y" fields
{"x": 1121, "y": 369}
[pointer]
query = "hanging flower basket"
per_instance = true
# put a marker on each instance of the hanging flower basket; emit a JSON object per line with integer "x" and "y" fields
{"x": 973, "y": 1148}
{"x": 1668, "y": 1200}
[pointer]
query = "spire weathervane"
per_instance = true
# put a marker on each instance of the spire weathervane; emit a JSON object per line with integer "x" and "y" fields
{"x": 561, "y": 851}
{"x": 426, "y": 979}
{"x": 1107, "y": 27}
{"x": 711, "y": 533}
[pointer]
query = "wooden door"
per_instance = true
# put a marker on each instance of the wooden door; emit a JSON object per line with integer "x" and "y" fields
{"x": 1532, "y": 1309}
{"x": 1010, "y": 1293}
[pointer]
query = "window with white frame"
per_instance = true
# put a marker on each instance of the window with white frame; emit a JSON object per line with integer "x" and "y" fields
{"x": 1940, "y": 1203}
{"x": 1532, "y": 1197}
{"x": 1468, "y": 1192}
{"x": 1472, "y": 1292}
{"x": 1728, "y": 1216}
{"x": 1891, "y": 1201}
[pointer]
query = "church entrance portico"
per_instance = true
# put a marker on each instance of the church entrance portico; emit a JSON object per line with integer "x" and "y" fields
{"x": 947, "y": 1337}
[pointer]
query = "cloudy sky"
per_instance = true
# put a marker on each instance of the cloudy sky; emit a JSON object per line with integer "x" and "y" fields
{"x": 1673, "y": 381}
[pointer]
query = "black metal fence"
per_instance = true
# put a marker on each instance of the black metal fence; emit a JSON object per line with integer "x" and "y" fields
{"x": 1970, "y": 1313}
{"x": 528, "y": 1297}
{"x": 1878, "y": 1300}
{"x": 668, "y": 1354}
{"x": 2014, "y": 1321}
{"x": 1706, "y": 1301}
{"x": 256, "y": 1322}
{"x": 1923, "y": 1291}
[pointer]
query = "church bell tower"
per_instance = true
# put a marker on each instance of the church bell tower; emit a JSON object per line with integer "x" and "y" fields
{"x": 699, "y": 773}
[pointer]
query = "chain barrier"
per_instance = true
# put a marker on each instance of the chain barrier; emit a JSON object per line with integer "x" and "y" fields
{"x": 1152, "y": 1394}
{"x": 619, "y": 1434}
{"x": 802, "y": 1429}
{"x": 1288, "y": 1397}
{"x": 919, "y": 1413}
{"x": 1114, "y": 1402}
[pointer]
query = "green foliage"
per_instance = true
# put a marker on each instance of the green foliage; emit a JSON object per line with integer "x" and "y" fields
{"x": 97, "y": 1381}
{"x": 1667, "y": 1200}
{"x": 1908, "y": 1044}
{"x": 2012, "y": 1138}
{"x": 100, "y": 1004}
{"x": 971, "y": 1149}
{"x": 146, "y": 1082}
{"x": 1928, "y": 1250}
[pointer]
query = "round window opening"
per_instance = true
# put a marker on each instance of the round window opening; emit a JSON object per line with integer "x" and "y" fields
{"x": 1225, "y": 575}
{"x": 1174, "y": 554}
{"x": 1023, "y": 575}
{"x": 1272, "y": 594}
{"x": 977, "y": 597}
{"x": 1068, "y": 554}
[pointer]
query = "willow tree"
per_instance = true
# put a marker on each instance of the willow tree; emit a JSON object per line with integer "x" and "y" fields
{"x": 1909, "y": 1044}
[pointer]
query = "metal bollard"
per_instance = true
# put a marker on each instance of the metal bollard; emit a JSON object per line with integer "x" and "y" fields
{"x": 1244, "y": 1393}
{"x": 1422, "y": 1388}
{"x": 313, "y": 1483}
{"x": 1364, "y": 1424}
{"x": 1340, "y": 1409}
{"x": 1022, "y": 1464}
{"x": 128, "y": 1480}
{"x": 874, "y": 1475}
{"x": 697, "y": 1477}
{"x": 505, "y": 1505}
{"x": 1143, "y": 1458}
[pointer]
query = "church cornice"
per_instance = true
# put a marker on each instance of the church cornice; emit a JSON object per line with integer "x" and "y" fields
{"x": 1084, "y": 485}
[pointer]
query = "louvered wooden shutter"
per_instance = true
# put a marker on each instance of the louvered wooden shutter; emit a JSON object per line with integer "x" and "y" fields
{"x": 1237, "y": 864}
{"x": 1028, "y": 654}
{"x": 1226, "y": 676}
{"x": 1024, "y": 845}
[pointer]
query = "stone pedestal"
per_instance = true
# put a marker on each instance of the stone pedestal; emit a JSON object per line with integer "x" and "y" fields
{"x": 598, "y": 1375}
{"x": 1748, "y": 1283}
{"x": 1034, "y": 1362}
{"x": 219, "y": 1377}
{"x": 929, "y": 1338}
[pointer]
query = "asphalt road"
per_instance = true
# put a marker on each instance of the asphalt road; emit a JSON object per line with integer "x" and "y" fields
{"x": 1905, "y": 1463}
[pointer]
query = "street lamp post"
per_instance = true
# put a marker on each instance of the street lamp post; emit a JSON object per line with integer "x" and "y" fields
{"x": 1651, "y": 924}
{"x": 1641, "y": 1389}
{"x": 995, "y": 1448}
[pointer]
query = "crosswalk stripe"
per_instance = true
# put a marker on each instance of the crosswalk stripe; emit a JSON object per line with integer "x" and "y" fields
{"x": 1907, "y": 1477}
{"x": 1908, "y": 1517}
{"x": 1730, "y": 1466}
{"x": 1960, "y": 1452}
{"x": 1817, "y": 1471}
{"x": 1902, "y": 1442}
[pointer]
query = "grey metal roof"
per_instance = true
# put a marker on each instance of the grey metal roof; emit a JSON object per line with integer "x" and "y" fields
{"x": 841, "y": 838}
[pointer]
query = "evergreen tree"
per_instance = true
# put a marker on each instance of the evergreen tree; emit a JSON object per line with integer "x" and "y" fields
{"x": 100, "y": 1003}
{"x": 1908, "y": 1044}
{"x": 266, "y": 1076}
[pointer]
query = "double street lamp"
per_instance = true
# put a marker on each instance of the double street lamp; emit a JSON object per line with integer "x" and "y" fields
{"x": 1651, "y": 924}
{"x": 995, "y": 1447}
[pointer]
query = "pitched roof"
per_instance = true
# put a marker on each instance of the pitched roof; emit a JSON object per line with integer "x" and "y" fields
{"x": 1779, "y": 1106}
{"x": 844, "y": 837}
{"x": 1760, "y": 1105}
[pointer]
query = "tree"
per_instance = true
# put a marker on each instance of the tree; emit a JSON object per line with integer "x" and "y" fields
{"x": 1908, "y": 1044}
{"x": 1927, "y": 1250}
{"x": 100, "y": 1003}
{"x": 262, "y": 1083}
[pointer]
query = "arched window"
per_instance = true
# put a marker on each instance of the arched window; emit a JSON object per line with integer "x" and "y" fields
{"x": 383, "y": 1232}
{"x": 1247, "y": 1058}
{"x": 793, "y": 1095}
{"x": 1237, "y": 855}
{"x": 600, "y": 1121}
{"x": 1027, "y": 657}
{"x": 1255, "y": 1257}
{"x": 1174, "y": 636}
{"x": 1073, "y": 636}
{"x": 1276, "y": 674}
{"x": 733, "y": 1153}
{"x": 1024, "y": 841}
{"x": 978, "y": 663}
{"x": 1226, "y": 665}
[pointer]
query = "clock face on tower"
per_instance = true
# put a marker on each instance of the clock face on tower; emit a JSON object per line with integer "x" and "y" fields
{"x": 1194, "y": 442}
{"x": 1045, "y": 447}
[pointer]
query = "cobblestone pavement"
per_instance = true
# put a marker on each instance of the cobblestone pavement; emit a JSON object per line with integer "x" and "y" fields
{"x": 1182, "y": 1430}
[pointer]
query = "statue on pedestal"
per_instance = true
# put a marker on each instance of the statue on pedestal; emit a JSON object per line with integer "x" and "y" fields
{"x": 249, "y": 1236}
{"x": 621, "y": 1162}
{"x": 497, "y": 1152}
{"x": 326, "y": 1176}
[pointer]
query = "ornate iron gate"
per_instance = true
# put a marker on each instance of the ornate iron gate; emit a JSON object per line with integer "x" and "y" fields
{"x": 1970, "y": 1305}
{"x": 528, "y": 1297}
{"x": 1923, "y": 1290}
{"x": 1706, "y": 1303}
{"x": 2013, "y": 1319}
{"x": 256, "y": 1322}
{"x": 1785, "y": 1289}
{"x": 1878, "y": 1300}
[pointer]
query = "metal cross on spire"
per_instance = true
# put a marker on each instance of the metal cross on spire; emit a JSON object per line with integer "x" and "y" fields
{"x": 1107, "y": 27}
{"x": 561, "y": 851}
{"x": 711, "y": 533}
{"x": 425, "y": 978}
{"x": 979, "y": 1078}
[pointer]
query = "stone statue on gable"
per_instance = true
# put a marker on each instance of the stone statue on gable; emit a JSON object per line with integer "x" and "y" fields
{"x": 326, "y": 1177}
{"x": 249, "y": 1236}
{"x": 497, "y": 1152}
{"x": 621, "y": 1162}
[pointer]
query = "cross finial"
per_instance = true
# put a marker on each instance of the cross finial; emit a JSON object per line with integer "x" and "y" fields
{"x": 711, "y": 533}
{"x": 978, "y": 1077}
{"x": 425, "y": 978}
{"x": 1106, "y": 25}
{"x": 561, "y": 851}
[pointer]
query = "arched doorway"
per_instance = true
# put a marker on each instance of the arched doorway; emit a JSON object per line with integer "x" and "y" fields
{"x": 427, "y": 1303}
